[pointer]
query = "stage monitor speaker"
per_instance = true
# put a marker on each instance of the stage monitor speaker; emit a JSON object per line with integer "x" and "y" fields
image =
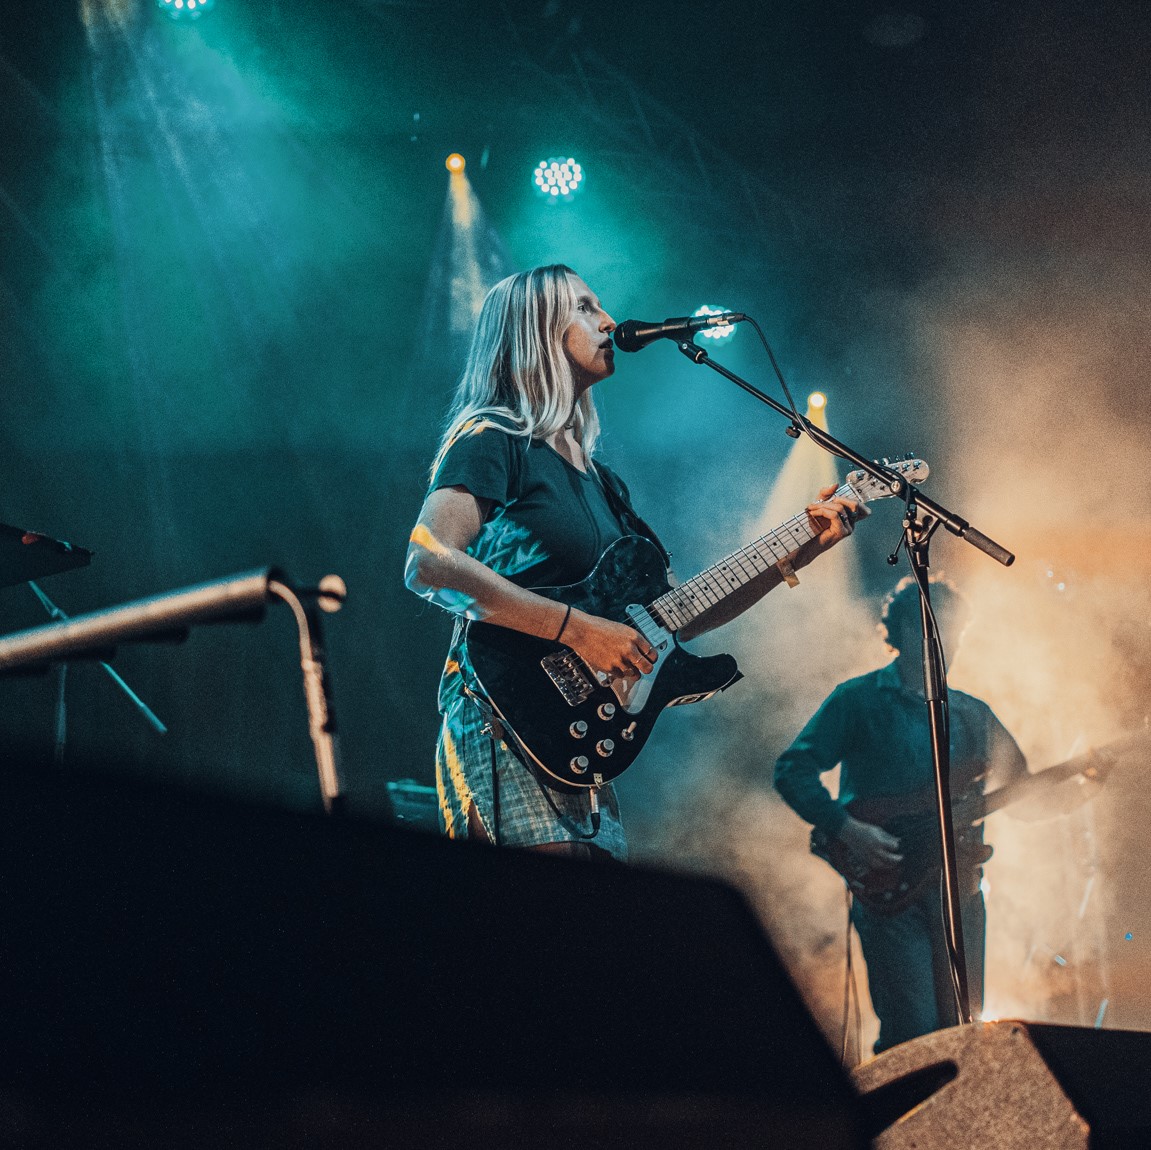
{"x": 1011, "y": 1086}
{"x": 186, "y": 970}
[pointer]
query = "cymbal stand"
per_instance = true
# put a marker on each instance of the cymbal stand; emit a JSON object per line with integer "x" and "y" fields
{"x": 60, "y": 724}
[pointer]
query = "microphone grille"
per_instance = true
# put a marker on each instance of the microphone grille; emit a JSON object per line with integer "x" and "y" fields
{"x": 625, "y": 337}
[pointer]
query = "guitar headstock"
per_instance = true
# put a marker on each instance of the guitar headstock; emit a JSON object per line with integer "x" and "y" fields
{"x": 867, "y": 487}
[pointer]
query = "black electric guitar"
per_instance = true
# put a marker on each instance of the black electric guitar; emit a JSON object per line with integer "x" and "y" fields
{"x": 578, "y": 731}
{"x": 911, "y": 818}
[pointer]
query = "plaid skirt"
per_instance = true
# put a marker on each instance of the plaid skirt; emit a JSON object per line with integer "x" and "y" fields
{"x": 530, "y": 814}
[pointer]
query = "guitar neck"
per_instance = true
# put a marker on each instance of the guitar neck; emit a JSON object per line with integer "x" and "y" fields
{"x": 679, "y": 606}
{"x": 1094, "y": 764}
{"x": 988, "y": 804}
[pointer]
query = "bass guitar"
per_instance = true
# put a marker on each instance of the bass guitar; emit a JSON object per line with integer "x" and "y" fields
{"x": 578, "y": 731}
{"x": 911, "y": 818}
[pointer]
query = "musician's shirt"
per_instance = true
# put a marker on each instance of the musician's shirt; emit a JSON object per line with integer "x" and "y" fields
{"x": 549, "y": 521}
{"x": 877, "y": 731}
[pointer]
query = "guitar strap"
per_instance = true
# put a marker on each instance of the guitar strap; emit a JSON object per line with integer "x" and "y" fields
{"x": 493, "y": 730}
{"x": 495, "y": 788}
{"x": 620, "y": 504}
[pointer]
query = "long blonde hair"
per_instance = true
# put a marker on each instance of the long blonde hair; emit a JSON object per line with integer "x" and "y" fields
{"x": 517, "y": 371}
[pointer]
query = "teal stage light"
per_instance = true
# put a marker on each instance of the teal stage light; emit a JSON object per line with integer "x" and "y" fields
{"x": 185, "y": 9}
{"x": 558, "y": 179}
{"x": 715, "y": 334}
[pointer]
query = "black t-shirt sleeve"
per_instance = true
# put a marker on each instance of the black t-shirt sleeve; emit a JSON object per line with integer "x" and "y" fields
{"x": 484, "y": 462}
{"x": 1005, "y": 761}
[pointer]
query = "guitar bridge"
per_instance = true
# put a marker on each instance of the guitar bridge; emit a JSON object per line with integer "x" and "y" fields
{"x": 569, "y": 673}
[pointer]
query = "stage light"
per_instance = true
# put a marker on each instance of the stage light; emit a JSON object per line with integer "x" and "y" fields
{"x": 558, "y": 179}
{"x": 185, "y": 9}
{"x": 715, "y": 334}
{"x": 455, "y": 163}
{"x": 817, "y": 400}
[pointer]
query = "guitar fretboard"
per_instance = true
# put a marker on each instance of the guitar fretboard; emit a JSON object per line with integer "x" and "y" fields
{"x": 679, "y": 606}
{"x": 1094, "y": 765}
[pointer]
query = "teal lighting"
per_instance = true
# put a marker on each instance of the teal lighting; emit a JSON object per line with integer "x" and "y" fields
{"x": 558, "y": 179}
{"x": 185, "y": 9}
{"x": 716, "y": 334}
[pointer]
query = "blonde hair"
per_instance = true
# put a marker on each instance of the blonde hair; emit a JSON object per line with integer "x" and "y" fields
{"x": 517, "y": 371}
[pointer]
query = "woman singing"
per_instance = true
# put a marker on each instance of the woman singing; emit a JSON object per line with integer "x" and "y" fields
{"x": 516, "y": 501}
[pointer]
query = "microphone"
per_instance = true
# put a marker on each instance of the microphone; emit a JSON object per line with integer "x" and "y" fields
{"x": 633, "y": 334}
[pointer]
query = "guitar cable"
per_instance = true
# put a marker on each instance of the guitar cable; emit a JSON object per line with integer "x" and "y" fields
{"x": 565, "y": 820}
{"x": 493, "y": 729}
{"x": 850, "y": 992}
{"x": 495, "y": 789}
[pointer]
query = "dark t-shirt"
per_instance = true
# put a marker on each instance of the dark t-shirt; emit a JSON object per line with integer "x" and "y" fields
{"x": 878, "y": 731}
{"x": 549, "y": 521}
{"x": 548, "y": 524}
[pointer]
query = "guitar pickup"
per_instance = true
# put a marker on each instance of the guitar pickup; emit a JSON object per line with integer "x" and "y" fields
{"x": 569, "y": 673}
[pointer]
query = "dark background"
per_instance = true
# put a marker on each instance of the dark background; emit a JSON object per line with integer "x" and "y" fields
{"x": 226, "y": 298}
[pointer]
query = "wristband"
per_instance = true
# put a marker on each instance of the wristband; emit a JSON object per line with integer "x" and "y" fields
{"x": 564, "y": 624}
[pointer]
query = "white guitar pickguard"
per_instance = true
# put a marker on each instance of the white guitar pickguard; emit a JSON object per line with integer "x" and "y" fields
{"x": 633, "y": 694}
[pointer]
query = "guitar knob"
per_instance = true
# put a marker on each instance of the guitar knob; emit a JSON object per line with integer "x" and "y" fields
{"x": 578, "y": 729}
{"x": 606, "y": 710}
{"x": 628, "y": 733}
{"x": 604, "y": 747}
{"x": 579, "y": 764}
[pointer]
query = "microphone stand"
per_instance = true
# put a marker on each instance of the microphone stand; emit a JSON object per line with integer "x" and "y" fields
{"x": 317, "y": 680}
{"x": 916, "y": 539}
{"x": 172, "y": 615}
{"x": 923, "y": 516}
